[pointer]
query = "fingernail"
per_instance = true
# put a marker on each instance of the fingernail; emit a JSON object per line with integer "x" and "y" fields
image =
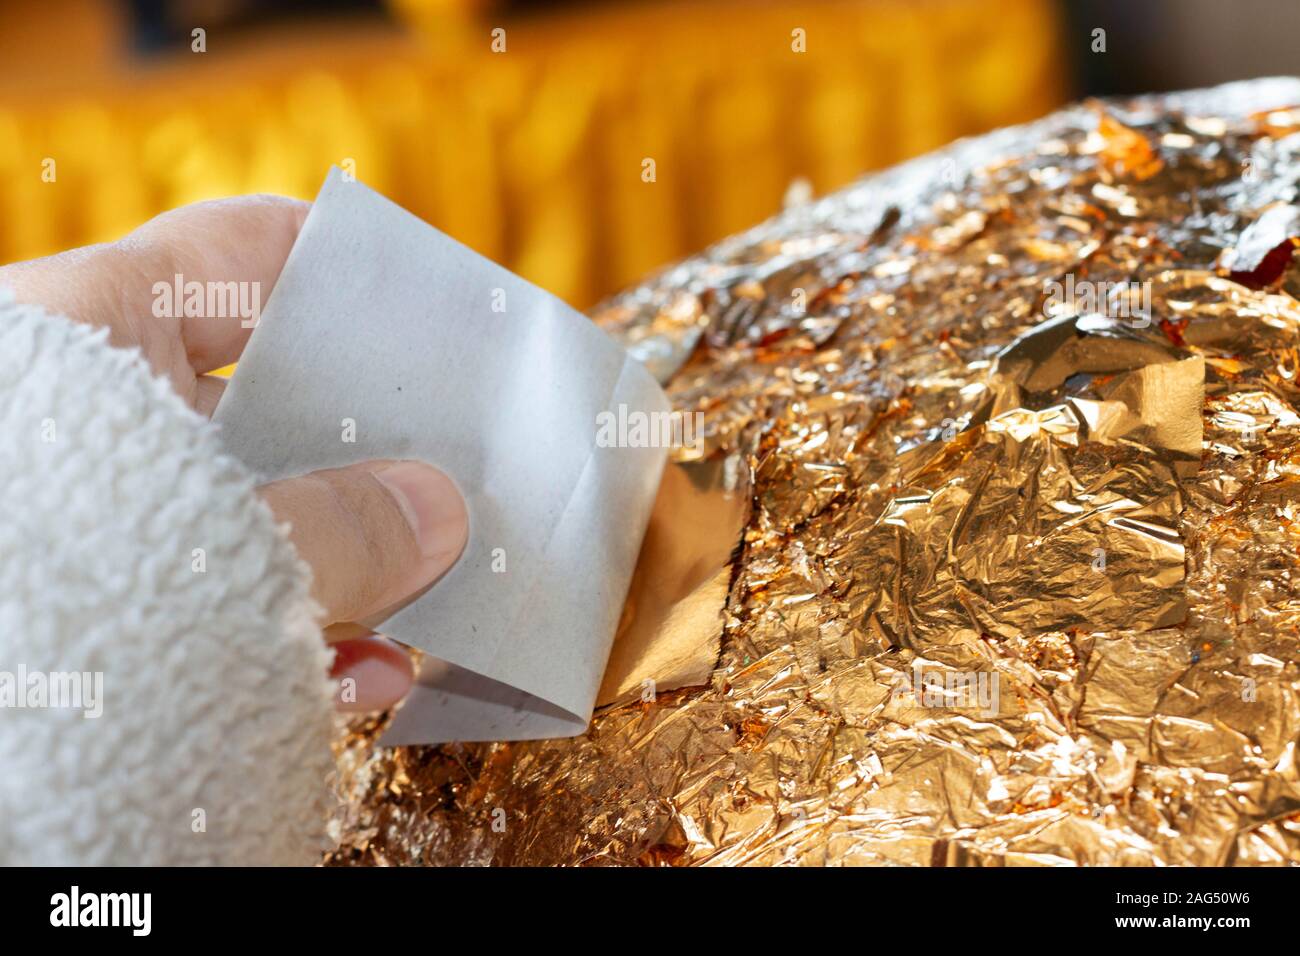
{"x": 373, "y": 673}
{"x": 433, "y": 508}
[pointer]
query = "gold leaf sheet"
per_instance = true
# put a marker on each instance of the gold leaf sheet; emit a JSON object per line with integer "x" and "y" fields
{"x": 671, "y": 628}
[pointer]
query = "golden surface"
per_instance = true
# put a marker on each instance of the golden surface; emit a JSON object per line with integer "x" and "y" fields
{"x": 961, "y": 484}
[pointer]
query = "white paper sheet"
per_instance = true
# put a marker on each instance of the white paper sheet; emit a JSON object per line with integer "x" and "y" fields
{"x": 382, "y": 320}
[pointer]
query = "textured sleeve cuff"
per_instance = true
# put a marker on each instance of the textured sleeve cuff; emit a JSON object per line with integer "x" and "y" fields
{"x": 136, "y": 558}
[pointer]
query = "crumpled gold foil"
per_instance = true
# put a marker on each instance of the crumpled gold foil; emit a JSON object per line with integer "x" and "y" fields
{"x": 961, "y": 487}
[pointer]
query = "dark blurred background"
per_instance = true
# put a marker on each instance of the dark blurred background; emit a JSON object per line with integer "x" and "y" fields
{"x": 522, "y": 128}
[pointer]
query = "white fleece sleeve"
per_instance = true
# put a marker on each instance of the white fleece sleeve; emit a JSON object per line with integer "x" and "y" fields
{"x": 131, "y": 547}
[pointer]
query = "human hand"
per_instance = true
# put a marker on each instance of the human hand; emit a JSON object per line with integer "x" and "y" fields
{"x": 374, "y": 533}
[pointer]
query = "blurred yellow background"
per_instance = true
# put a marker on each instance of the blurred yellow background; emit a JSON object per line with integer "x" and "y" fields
{"x": 535, "y": 155}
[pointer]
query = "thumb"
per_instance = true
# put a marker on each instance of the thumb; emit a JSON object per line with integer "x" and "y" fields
{"x": 374, "y": 533}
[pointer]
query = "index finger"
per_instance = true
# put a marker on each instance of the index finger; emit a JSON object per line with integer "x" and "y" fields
{"x": 131, "y": 286}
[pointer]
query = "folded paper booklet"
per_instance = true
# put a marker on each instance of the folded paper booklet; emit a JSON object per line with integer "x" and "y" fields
{"x": 384, "y": 338}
